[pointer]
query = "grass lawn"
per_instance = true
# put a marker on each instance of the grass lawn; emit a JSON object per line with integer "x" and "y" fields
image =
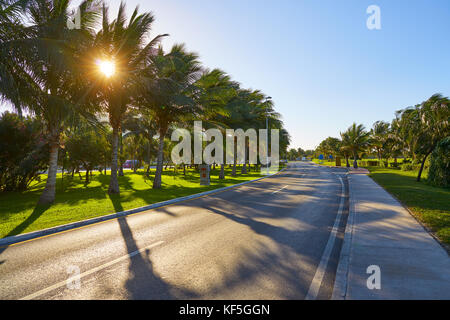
{"x": 429, "y": 204}
{"x": 76, "y": 202}
{"x": 328, "y": 163}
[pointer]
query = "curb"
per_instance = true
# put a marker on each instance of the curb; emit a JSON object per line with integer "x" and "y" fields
{"x": 37, "y": 234}
{"x": 341, "y": 280}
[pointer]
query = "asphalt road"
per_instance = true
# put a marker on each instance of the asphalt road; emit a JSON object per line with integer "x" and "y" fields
{"x": 265, "y": 240}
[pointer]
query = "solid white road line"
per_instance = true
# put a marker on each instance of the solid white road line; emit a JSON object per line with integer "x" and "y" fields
{"x": 280, "y": 190}
{"x": 320, "y": 272}
{"x": 86, "y": 273}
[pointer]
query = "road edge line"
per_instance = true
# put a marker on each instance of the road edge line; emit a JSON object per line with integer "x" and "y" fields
{"x": 8, "y": 241}
{"x": 341, "y": 280}
{"x": 317, "y": 280}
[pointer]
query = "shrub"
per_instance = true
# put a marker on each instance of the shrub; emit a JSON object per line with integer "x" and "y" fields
{"x": 439, "y": 174}
{"x": 23, "y": 152}
{"x": 407, "y": 167}
{"x": 86, "y": 148}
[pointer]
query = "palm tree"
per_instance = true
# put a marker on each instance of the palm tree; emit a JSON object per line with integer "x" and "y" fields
{"x": 249, "y": 109}
{"x": 434, "y": 115}
{"x": 168, "y": 93}
{"x": 380, "y": 138}
{"x": 123, "y": 45}
{"x": 141, "y": 125}
{"x": 216, "y": 92}
{"x": 345, "y": 149}
{"x": 45, "y": 68}
{"x": 355, "y": 139}
{"x": 406, "y": 128}
{"x": 14, "y": 86}
{"x": 420, "y": 128}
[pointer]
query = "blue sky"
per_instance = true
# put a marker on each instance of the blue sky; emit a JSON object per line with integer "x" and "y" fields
{"x": 316, "y": 58}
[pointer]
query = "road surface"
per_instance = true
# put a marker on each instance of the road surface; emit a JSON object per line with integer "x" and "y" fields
{"x": 272, "y": 239}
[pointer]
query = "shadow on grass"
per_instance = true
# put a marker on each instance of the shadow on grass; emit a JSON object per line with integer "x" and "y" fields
{"x": 116, "y": 202}
{"x": 413, "y": 193}
{"x": 37, "y": 212}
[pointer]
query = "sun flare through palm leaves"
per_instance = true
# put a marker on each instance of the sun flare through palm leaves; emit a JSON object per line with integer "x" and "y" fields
{"x": 107, "y": 67}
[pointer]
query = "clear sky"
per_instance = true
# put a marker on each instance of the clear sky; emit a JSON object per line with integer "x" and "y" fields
{"x": 316, "y": 58}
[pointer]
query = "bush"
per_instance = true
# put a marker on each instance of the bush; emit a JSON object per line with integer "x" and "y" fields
{"x": 407, "y": 167}
{"x": 87, "y": 149}
{"x": 439, "y": 174}
{"x": 23, "y": 152}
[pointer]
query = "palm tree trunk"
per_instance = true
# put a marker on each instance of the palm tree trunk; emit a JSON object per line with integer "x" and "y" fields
{"x": 244, "y": 167}
{"x": 62, "y": 170}
{"x": 113, "y": 182}
{"x": 222, "y": 172}
{"x": 48, "y": 195}
{"x": 355, "y": 162}
{"x": 148, "y": 158}
{"x": 120, "y": 158}
{"x": 159, "y": 163}
{"x": 233, "y": 173}
{"x": 419, "y": 177}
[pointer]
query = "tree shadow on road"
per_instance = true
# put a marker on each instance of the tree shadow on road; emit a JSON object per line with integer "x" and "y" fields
{"x": 268, "y": 272}
{"x": 143, "y": 283}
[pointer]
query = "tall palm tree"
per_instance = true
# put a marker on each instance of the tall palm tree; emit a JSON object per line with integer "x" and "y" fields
{"x": 249, "y": 109}
{"x": 355, "y": 139}
{"x": 434, "y": 115}
{"x": 422, "y": 127}
{"x": 168, "y": 93}
{"x": 123, "y": 44}
{"x": 345, "y": 147}
{"x": 141, "y": 124}
{"x": 380, "y": 138}
{"x": 45, "y": 69}
{"x": 216, "y": 91}
{"x": 14, "y": 86}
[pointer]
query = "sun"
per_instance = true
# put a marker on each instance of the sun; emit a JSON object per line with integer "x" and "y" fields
{"x": 107, "y": 67}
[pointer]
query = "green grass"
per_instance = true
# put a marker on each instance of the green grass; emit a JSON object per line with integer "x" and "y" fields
{"x": 76, "y": 201}
{"x": 431, "y": 205}
{"x": 328, "y": 163}
{"x": 361, "y": 163}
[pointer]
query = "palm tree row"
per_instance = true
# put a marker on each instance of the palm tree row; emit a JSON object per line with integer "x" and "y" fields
{"x": 414, "y": 133}
{"x": 66, "y": 77}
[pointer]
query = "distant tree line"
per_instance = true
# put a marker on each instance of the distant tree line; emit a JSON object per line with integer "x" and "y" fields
{"x": 420, "y": 133}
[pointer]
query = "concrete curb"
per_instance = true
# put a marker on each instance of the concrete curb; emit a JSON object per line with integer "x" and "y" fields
{"x": 37, "y": 234}
{"x": 341, "y": 280}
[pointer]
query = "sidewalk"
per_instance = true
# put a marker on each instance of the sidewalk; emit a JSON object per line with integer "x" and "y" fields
{"x": 381, "y": 232}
